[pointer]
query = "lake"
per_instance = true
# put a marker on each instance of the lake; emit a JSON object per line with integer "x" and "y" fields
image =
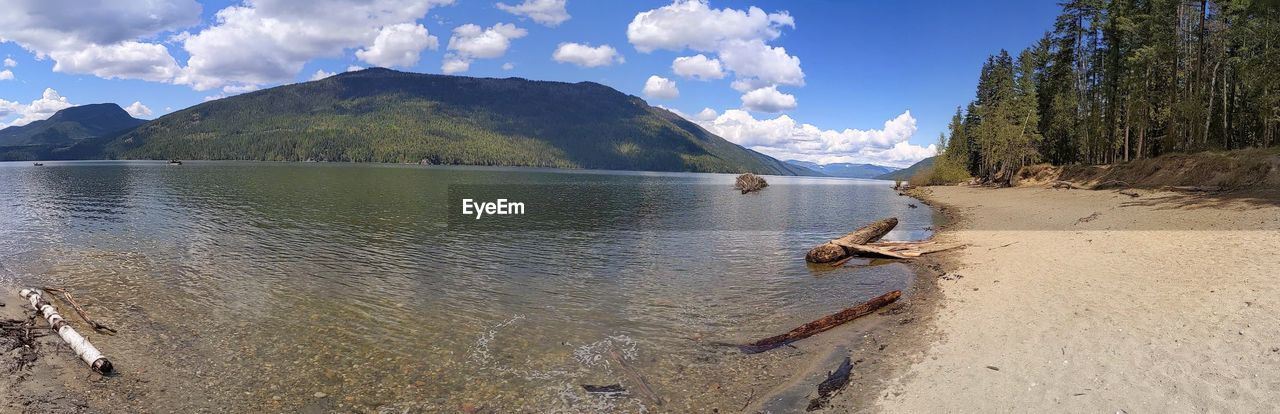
{"x": 353, "y": 287}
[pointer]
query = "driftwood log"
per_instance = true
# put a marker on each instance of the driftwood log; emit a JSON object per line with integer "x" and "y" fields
{"x": 85, "y": 350}
{"x": 749, "y": 182}
{"x": 821, "y": 325}
{"x": 834, "y": 250}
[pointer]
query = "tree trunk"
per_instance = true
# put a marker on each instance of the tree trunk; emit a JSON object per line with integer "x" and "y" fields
{"x": 822, "y": 325}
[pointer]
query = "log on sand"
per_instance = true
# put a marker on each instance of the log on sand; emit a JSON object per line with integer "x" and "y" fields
{"x": 833, "y": 251}
{"x": 821, "y": 325}
{"x": 79, "y": 344}
{"x": 834, "y": 382}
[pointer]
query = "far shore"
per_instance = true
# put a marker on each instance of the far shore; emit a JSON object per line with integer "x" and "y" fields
{"x": 1087, "y": 301}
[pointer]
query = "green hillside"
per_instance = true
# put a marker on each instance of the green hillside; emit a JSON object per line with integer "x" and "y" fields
{"x": 380, "y": 115}
{"x": 70, "y": 125}
{"x": 906, "y": 173}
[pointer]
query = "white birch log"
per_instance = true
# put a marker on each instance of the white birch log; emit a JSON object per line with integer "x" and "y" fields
{"x": 85, "y": 350}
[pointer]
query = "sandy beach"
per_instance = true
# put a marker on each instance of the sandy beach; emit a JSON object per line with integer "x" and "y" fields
{"x": 1092, "y": 301}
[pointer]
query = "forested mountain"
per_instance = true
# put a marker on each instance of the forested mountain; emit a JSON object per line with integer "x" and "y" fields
{"x": 381, "y": 115}
{"x": 844, "y": 169}
{"x": 906, "y": 173}
{"x": 1117, "y": 80}
{"x": 70, "y": 125}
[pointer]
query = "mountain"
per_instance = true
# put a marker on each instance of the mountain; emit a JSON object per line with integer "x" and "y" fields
{"x": 70, "y": 125}
{"x": 906, "y": 173}
{"x": 381, "y": 115}
{"x": 846, "y": 170}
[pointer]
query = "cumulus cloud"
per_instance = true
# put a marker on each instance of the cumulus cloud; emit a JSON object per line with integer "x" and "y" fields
{"x": 738, "y": 38}
{"x": 697, "y": 67}
{"x": 50, "y": 102}
{"x": 238, "y": 89}
{"x": 508, "y": 66}
{"x": 99, "y": 38}
{"x": 660, "y": 88}
{"x": 587, "y": 56}
{"x": 9, "y": 62}
{"x": 471, "y": 42}
{"x": 267, "y": 41}
{"x": 785, "y": 138}
{"x": 768, "y": 99}
{"x": 138, "y": 110}
{"x": 545, "y": 12}
{"x": 398, "y": 45}
{"x": 6, "y": 74}
{"x": 354, "y": 68}
{"x": 321, "y": 74}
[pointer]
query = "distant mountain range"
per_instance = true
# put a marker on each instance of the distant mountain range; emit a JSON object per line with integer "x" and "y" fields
{"x": 70, "y": 125}
{"x": 846, "y": 170}
{"x": 906, "y": 173}
{"x": 381, "y": 115}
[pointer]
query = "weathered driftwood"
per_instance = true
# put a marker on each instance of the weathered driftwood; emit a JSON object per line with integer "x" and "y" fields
{"x": 1110, "y": 184}
{"x": 832, "y": 251}
{"x": 85, "y": 350}
{"x": 821, "y": 325}
{"x": 749, "y": 183}
{"x": 71, "y": 300}
{"x": 835, "y": 381}
{"x": 1064, "y": 184}
{"x": 638, "y": 384}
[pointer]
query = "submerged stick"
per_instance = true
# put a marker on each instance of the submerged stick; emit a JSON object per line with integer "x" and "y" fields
{"x": 821, "y": 325}
{"x": 80, "y": 311}
{"x": 638, "y": 384}
{"x": 85, "y": 350}
{"x": 834, "y": 382}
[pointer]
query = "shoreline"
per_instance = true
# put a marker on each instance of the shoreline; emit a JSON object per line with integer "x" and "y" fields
{"x": 1084, "y": 301}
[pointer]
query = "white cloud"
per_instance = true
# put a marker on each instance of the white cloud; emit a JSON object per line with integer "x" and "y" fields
{"x": 785, "y": 138}
{"x": 660, "y": 88}
{"x": 398, "y": 45}
{"x": 238, "y": 89}
{"x": 544, "y": 12}
{"x": 587, "y": 56}
{"x": 50, "y": 102}
{"x": 354, "y": 68}
{"x": 452, "y": 65}
{"x": 99, "y": 38}
{"x": 127, "y": 60}
{"x": 697, "y": 67}
{"x": 508, "y": 66}
{"x": 768, "y": 99}
{"x": 694, "y": 25}
{"x": 321, "y": 74}
{"x": 268, "y": 41}
{"x": 470, "y": 42}
{"x": 138, "y": 110}
{"x": 9, "y": 62}
{"x": 739, "y": 39}
{"x": 706, "y": 114}
{"x": 6, "y": 74}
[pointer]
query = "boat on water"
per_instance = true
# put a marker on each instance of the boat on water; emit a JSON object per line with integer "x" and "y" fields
{"x": 39, "y": 164}
{"x": 175, "y": 162}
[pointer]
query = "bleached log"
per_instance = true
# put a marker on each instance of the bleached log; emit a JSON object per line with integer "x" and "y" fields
{"x": 85, "y": 350}
{"x": 864, "y": 250}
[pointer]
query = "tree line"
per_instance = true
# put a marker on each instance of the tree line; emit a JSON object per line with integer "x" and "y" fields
{"x": 1118, "y": 80}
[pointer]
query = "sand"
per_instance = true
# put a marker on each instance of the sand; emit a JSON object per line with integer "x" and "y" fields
{"x": 1093, "y": 301}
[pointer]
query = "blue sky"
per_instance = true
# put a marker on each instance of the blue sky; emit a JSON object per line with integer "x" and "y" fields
{"x": 827, "y": 81}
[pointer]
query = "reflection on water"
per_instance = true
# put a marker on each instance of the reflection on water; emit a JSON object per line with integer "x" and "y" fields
{"x": 257, "y": 286}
